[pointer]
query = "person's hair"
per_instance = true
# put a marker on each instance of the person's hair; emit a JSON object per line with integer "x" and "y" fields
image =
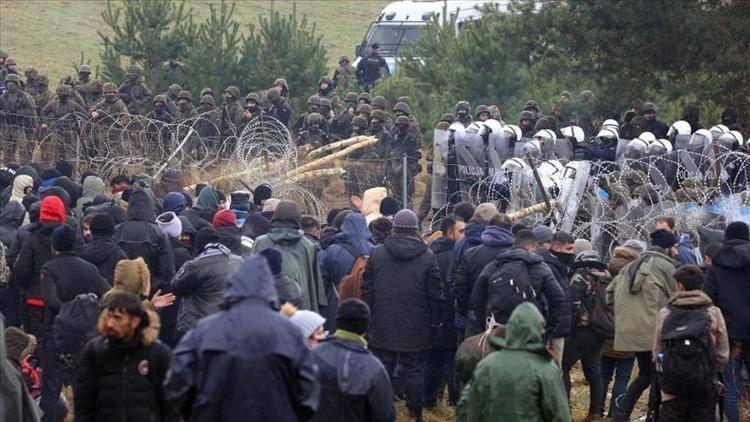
{"x": 712, "y": 249}
{"x": 120, "y": 179}
{"x": 87, "y": 220}
{"x": 448, "y": 223}
{"x": 309, "y": 223}
{"x": 690, "y": 276}
{"x": 501, "y": 220}
{"x": 464, "y": 210}
{"x": 668, "y": 220}
{"x": 125, "y": 301}
{"x": 563, "y": 238}
{"x": 518, "y": 227}
{"x": 380, "y": 228}
{"x": 524, "y": 239}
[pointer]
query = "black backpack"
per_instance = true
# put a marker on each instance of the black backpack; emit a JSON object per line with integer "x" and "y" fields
{"x": 74, "y": 326}
{"x": 509, "y": 287}
{"x": 602, "y": 316}
{"x": 687, "y": 365}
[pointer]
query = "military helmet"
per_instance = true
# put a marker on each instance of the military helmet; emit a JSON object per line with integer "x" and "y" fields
{"x": 96, "y": 86}
{"x": 184, "y": 95}
{"x": 207, "y": 99}
{"x": 364, "y": 108}
{"x": 282, "y": 82}
{"x": 12, "y": 77}
{"x": 462, "y": 105}
{"x": 29, "y": 71}
{"x": 314, "y": 119}
{"x": 253, "y": 96}
{"x": 160, "y": 99}
{"x": 360, "y": 122}
{"x": 351, "y": 97}
{"x": 233, "y": 91}
{"x": 404, "y": 99}
{"x": 10, "y": 61}
{"x": 587, "y": 94}
{"x": 378, "y": 114}
{"x": 327, "y": 79}
{"x": 109, "y": 87}
{"x": 648, "y": 107}
{"x": 531, "y": 104}
{"x": 365, "y": 96}
{"x": 343, "y": 59}
{"x": 313, "y": 100}
{"x": 565, "y": 94}
{"x": 67, "y": 80}
{"x": 481, "y": 109}
{"x": 207, "y": 91}
{"x": 447, "y": 117}
{"x": 134, "y": 71}
{"x": 63, "y": 89}
{"x": 43, "y": 80}
{"x": 402, "y": 107}
{"x": 326, "y": 102}
{"x": 84, "y": 69}
{"x": 175, "y": 89}
{"x": 273, "y": 96}
{"x": 526, "y": 115}
{"x": 402, "y": 120}
{"x": 379, "y": 101}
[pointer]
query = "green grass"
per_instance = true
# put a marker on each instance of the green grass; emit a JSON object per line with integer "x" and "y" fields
{"x": 51, "y": 34}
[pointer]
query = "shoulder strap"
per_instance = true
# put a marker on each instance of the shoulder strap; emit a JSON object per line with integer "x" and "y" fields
{"x": 351, "y": 249}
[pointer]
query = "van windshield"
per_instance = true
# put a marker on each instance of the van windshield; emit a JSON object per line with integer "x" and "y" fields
{"x": 391, "y": 37}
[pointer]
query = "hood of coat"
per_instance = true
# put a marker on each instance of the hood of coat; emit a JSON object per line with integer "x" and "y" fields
{"x": 12, "y": 214}
{"x": 497, "y": 236}
{"x": 207, "y": 199}
{"x": 285, "y": 235}
{"x": 646, "y": 264}
{"x": 371, "y": 200}
{"x": 524, "y": 331}
{"x": 175, "y": 202}
{"x": 734, "y": 255}
{"x": 621, "y": 256}
{"x": 20, "y": 183}
{"x": 141, "y": 206}
{"x": 473, "y": 234}
{"x": 72, "y": 188}
{"x": 355, "y": 232}
{"x": 690, "y": 298}
{"x": 92, "y": 186}
{"x": 132, "y": 276}
{"x": 405, "y": 248}
{"x": 252, "y": 279}
{"x": 287, "y": 214}
{"x": 515, "y": 254}
{"x": 441, "y": 244}
{"x": 98, "y": 250}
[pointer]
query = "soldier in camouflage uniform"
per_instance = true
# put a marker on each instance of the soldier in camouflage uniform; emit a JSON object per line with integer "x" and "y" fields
{"x": 43, "y": 95}
{"x": 90, "y": 89}
{"x": 327, "y": 113}
{"x": 231, "y": 111}
{"x": 365, "y": 98}
{"x": 161, "y": 111}
{"x": 134, "y": 92}
{"x": 342, "y": 127}
{"x": 403, "y": 109}
{"x": 74, "y": 95}
{"x": 171, "y": 96}
{"x": 404, "y": 143}
{"x": 32, "y": 81}
{"x": 280, "y": 108}
{"x": 253, "y": 110}
{"x": 313, "y": 137}
{"x": 3, "y": 71}
{"x": 344, "y": 75}
{"x": 282, "y": 87}
{"x": 109, "y": 105}
{"x": 313, "y": 104}
{"x": 327, "y": 89}
{"x": 358, "y": 165}
{"x": 57, "y": 115}
{"x": 209, "y": 122}
{"x": 185, "y": 108}
{"x": 17, "y": 117}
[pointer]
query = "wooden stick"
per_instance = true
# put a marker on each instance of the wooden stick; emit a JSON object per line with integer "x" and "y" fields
{"x": 336, "y": 145}
{"x": 534, "y": 209}
{"x": 315, "y": 173}
{"x": 325, "y": 160}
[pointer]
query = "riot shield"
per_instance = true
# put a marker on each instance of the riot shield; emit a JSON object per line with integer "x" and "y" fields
{"x": 575, "y": 181}
{"x": 498, "y": 149}
{"x": 470, "y": 155}
{"x": 527, "y": 146}
{"x": 682, "y": 141}
{"x": 440, "y": 168}
{"x": 630, "y": 149}
{"x": 562, "y": 150}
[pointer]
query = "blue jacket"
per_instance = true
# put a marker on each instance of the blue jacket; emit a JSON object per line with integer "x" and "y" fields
{"x": 337, "y": 260}
{"x": 685, "y": 251}
{"x": 245, "y": 362}
{"x": 355, "y": 384}
{"x": 472, "y": 237}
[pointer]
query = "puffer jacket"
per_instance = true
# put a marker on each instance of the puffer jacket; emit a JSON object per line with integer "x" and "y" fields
{"x": 104, "y": 253}
{"x": 200, "y": 283}
{"x": 246, "y": 340}
{"x": 139, "y": 236}
{"x": 11, "y": 218}
{"x": 639, "y": 291}
{"x": 35, "y": 251}
{"x": 402, "y": 286}
{"x": 495, "y": 240}
{"x": 728, "y": 286}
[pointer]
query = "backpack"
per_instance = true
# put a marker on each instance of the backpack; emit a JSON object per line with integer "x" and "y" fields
{"x": 508, "y": 289}
{"x": 74, "y": 326}
{"x": 687, "y": 365}
{"x": 4, "y": 269}
{"x": 602, "y": 316}
{"x": 351, "y": 284}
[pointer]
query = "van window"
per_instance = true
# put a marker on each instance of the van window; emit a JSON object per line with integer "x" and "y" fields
{"x": 392, "y": 37}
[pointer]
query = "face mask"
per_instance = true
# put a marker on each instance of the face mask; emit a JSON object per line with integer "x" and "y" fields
{"x": 565, "y": 258}
{"x": 376, "y": 124}
{"x": 228, "y": 97}
{"x": 12, "y": 87}
{"x": 109, "y": 97}
{"x": 63, "y": 98}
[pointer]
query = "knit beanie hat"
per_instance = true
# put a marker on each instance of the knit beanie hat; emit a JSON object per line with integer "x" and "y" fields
{"x": 270, "y": 204}
{"x": 205, "y": 236}
{"x": 175, "y": 202}
{"x": 405, "y": 220}
{"x": 339, "y": 220}
{"x": 353, "y": 315}
{"x": 132, "y": 276}
{"x": 485, "y": 212}
{"x": 307, "y": 322}
{"x": 737, "y": 230}
{"x": 224, "y": 218}
{"x": 63, "y": 238}
{"x": 663, "y": 238}
{"x": 388, "y": 206}
{"x": 274, "y": 259}
{"x": 261, "y": 193}
{"x": 18, "y": 343}
{"x": 588, "y": 259}
{"x": 65, "y": 168}
{"x": 543, "y": 234}
{"x": 102, "y": 224}
{"x": 52, "y": 210}
{"x": 170, "y": 224}
{"x": 582, "y": 245}
{"x": 286, "y": 215}
{"x": 636, "y": 245}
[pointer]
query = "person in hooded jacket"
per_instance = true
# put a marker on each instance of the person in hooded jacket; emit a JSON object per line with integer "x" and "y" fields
{"x": 496, "y": 238}
{"x": 22, "y": 186}
{"x": 11, "y": 218}
{"x": 225, "y": 223}
{"x": 201, "y": 282}
{"x": 202, "y": 213}
{"x": 287, "y": 289}
{"x": 441, "y": 358}
{"x": 353, "y": 241}
{"x": 519, "y": 381}
{"x": 16, "y": 404}
{"x": 728, "y": 286}
{"x": 355, "y": 384}
{"x": 402, "y": 286}
{"x": 139, "y": 236}
{"x": 92, "y": 188}
{"x": 72, "y": 188}
{"x": 35, "y": 251}
{"x": 102, "y": 250}
{"x": 174, "y": 202}
{"x": 247, "y": 339}
{"x": 10, "y": 296}
{"x": 172, "y": 226}
{"x": 299, "y": 255}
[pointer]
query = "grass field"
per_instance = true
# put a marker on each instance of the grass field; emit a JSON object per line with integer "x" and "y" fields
{"x": 51, "y": 34}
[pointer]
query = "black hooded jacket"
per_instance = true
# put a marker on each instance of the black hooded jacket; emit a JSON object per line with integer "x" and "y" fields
{"x": 403, "y": 288}
{"x": 11, "y": 218}
{"x": 728, "y": 286}
{"x": 104, "y": 253}
{"x": 139, "y": 236}
{"x": 443, "y": 250}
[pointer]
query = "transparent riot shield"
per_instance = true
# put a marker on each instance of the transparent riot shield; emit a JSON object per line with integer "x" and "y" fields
{"x": 439, "y": 193}
{"x": 562, "y": 150}
{"x": 681, "y": 141}
{"x": 470, "y": 155}
{"x": 527, "y": 146}
{"x": 575, "y": 182}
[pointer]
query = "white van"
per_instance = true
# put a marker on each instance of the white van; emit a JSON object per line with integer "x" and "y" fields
{"x": 401, "y": 23}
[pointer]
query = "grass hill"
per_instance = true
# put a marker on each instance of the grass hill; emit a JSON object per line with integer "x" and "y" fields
{"x": 52, "y": 34}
